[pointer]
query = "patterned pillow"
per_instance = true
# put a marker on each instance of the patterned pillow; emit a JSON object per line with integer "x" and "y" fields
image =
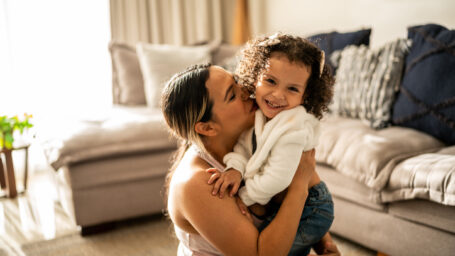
{"x": 333, "y": 41}
{"x": 426, "y": 101}
{"x": 367, "y": 81}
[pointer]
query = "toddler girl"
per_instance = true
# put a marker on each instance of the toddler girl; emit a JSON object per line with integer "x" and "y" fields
{"x": 292, "y": 87}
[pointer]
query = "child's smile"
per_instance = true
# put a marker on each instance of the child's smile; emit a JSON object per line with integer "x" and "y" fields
{"x": 282, "y": 85}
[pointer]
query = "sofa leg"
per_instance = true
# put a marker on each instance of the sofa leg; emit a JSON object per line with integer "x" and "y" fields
{"x": 381, "y": 254}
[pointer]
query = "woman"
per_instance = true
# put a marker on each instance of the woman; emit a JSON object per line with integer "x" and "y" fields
{"x": 204, "y": 107}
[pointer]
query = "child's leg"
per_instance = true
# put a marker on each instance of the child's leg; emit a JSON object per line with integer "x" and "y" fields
{"x": 316, "y": 219}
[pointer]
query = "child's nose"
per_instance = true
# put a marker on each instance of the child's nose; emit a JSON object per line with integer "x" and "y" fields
{"x": 278, "y": 94}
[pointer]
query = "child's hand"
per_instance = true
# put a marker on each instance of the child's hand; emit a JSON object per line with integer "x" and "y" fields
{"x": 223, "y": 180}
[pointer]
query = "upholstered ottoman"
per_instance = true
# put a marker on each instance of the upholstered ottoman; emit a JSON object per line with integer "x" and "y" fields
{"x": 112, "y": 168}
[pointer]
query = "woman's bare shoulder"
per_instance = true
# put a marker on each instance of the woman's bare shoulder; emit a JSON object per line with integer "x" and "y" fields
{"x": 191, "y": 178}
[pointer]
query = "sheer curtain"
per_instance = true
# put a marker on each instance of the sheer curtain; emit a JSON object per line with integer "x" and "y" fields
{"x": 178, "y": 22}
{"x": 54, "y": 60}
{"x": 54, "y": 64}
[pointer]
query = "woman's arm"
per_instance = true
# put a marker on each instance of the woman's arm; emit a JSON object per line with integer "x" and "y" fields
{"x": 224, "y": 226}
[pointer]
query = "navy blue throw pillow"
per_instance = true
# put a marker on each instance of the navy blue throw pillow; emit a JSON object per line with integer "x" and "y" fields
{"x": 333, "y": 41}
{"x": 426, "y": 100}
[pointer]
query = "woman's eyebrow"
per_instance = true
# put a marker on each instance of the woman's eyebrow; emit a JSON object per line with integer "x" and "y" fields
{"x": 228, "y": 91}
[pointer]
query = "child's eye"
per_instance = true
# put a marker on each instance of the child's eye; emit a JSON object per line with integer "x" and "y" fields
{"x": 269, "y": 80}
{"x": 294, "y": 89}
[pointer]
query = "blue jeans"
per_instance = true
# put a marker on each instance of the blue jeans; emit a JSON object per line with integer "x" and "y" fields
{"x": 316, "y": 219}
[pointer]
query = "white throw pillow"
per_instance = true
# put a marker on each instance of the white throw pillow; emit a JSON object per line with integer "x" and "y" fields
{"x": 160, "y": 62}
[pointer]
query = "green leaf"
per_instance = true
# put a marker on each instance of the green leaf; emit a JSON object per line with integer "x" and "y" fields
{"x": 9, "y": 139}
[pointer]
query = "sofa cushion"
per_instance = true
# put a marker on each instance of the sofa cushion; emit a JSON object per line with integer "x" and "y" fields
{"x": 369, "y": 155}
{"x": 425, "y": 212}
{"x": 127, "y": 82}
{"x": 347, "y": 188}
{"x": 111, "y": 169}
{"x": 227, "y": 56}
{"x": 160, "y": 62}
{"x": 367, "y": 81}
{"x": 330, "y": 42}
{"x": 124, "y": 130}
{"x": 427, "y": 96}
{"x": 428, "y": 176}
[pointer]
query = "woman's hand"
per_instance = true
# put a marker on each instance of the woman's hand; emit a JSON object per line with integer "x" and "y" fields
{"x": 305, "y": 171}
{"x": 243, "y": 208}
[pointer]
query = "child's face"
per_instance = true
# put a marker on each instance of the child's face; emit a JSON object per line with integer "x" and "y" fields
{"x": 282, "y": 85}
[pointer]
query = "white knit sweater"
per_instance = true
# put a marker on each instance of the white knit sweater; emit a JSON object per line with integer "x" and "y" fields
{"x": 280, "y": 143}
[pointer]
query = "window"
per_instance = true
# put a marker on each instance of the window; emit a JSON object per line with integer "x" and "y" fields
{"x": 54, "y": 57}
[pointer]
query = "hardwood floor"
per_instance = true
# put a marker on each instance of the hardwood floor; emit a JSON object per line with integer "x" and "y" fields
{"x": 36, "y": 214}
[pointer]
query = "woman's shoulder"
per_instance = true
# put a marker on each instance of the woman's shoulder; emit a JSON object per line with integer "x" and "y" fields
{"x": 191, "y": 177}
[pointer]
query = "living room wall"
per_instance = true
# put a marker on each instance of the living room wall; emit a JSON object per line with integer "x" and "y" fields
{"x": 388, "y": 18}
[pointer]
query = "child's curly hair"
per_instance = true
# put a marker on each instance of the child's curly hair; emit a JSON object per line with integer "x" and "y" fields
{"x": 254, "y": 61}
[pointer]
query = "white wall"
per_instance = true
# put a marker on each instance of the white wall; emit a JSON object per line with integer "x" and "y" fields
{"x": 389, "y": 19}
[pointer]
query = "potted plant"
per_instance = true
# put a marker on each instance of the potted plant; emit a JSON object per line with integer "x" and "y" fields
{"x": 8, "y": 125}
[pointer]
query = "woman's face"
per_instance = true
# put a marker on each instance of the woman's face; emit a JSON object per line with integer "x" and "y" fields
{"x": 232, "y": 109}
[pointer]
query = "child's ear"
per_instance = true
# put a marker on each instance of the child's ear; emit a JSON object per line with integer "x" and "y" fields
{"x": 206, "y": 128}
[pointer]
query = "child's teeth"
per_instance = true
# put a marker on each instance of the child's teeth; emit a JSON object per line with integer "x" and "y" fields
{"x": 273, "y": 105}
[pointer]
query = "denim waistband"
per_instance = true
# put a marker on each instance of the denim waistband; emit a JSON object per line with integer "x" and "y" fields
{"x": 318, "y": 190}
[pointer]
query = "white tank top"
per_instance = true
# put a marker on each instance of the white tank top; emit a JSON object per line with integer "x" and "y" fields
{"x": 194, "y": 244}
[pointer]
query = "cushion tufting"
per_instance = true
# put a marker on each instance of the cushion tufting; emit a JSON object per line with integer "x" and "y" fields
{"x": 369, "y": 155}
{"x": 330, "y": 42}
{"x": 428, "y": 176}
{"x": 426, "y": 101}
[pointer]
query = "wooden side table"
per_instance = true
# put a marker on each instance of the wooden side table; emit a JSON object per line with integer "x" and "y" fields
{"x": 7, "y": 176}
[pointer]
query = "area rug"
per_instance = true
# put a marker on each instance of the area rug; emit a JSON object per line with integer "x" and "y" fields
{"x": 145, "y": 237}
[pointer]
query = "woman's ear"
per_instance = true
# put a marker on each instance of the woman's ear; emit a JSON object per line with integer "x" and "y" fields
{"x": 206, "y": 128}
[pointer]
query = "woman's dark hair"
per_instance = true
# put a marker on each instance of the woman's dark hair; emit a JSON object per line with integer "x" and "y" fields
{"x": 255, "y": 58}
{"x": 184, "y": 102}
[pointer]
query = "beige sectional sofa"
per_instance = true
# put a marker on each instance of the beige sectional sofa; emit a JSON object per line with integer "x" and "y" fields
{"x": 393, "y": 187}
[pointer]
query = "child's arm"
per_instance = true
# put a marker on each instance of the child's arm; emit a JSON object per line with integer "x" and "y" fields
{"x": 276, "y": 174}
{"x": 235, "y": 167}
{"x": 238, "y": 158}
{"x": 293, "y": 133}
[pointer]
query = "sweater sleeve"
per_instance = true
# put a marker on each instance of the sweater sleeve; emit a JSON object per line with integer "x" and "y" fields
{"x": 238, "y": 159}
{"x": 276, "y": 174}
